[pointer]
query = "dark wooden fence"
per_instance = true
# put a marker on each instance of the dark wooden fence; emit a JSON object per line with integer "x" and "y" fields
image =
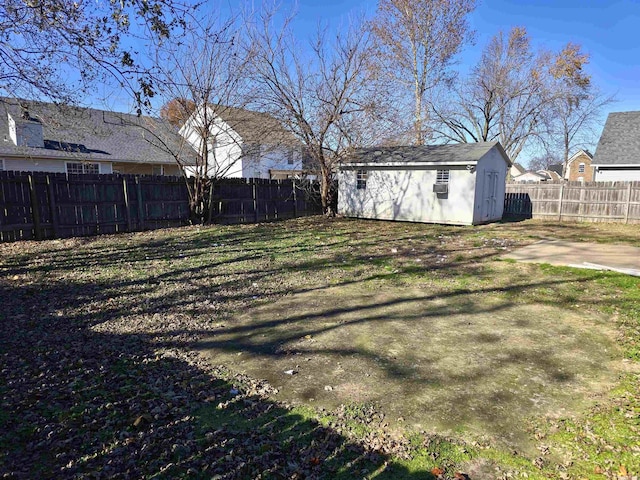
{"x": 257, "y": 200}
{"x": 615, "y": 202}
{"x": 46, "y": 205}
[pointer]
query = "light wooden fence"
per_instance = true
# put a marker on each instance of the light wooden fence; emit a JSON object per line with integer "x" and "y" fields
{"x": 616, "y": 202}
{"x": 50, "y": 205}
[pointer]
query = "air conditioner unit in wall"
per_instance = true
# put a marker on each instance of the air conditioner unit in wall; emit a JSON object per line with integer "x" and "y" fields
{"x": 440, "y": 188}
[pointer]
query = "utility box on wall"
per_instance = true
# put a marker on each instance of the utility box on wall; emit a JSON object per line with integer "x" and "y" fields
{"x": 440, "y": 188}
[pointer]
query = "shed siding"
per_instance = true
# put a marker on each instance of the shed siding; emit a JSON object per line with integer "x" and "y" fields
{"x": 615, "y": 175}
{"x": 407, "y": 194}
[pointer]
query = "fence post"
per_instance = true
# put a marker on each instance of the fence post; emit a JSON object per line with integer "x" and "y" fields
{"x": 255, "y": 198}
{"x": 560, "y": 202}
{"x": 210, "y": 206}
{"x": 52, "y": 207}
{"x": 275, "y": 202}
{"x": 35, "y": 209}
{"x": 295, "y": 199}
{"x": 626, "y": 212}
{"x": 140, "y": 205}
{"x": 127, "y": 205}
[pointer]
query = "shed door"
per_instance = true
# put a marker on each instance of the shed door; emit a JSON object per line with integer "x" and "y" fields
{"x": 489, "y": 197}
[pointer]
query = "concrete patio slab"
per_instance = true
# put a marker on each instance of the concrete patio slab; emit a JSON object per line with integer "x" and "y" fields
{"x": 619, "y": 258}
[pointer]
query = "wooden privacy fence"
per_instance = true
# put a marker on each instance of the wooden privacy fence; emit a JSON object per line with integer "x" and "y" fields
{"x": 575, "y": 201}
{"x": 239, "y": 200}
{"x": 38, "y": 205}
{"x": 56, "y": 205}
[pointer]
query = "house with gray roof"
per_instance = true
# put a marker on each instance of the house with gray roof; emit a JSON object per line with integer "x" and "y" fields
{"x": 531, "y": 177}
{"x": 461, "y": 184}
{"x": 579, "y": 167}
{"x": 244, "y": 143}
{"x": 515, "y": 170}
{"x": 617, "y": 156}
{"x": 38, "y": 136}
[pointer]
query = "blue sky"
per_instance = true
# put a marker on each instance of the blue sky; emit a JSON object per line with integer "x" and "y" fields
{"x": 606, "y": 30}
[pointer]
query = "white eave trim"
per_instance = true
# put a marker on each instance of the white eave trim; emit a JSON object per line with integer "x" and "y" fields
{"x": 577, "y": 154}
{"x": 616, "y": 165}
{"x": 407, "y": 164}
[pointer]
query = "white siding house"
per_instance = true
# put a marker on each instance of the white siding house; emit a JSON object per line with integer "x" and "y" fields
{"x": 461, "y": 184}
{"x": 244, "y": 143}
{"x": 617, "y": 156}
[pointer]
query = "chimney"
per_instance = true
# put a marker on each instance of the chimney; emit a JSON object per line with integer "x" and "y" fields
{"x": 26, "y": 131}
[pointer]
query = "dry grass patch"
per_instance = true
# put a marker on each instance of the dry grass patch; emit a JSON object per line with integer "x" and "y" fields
{"x": 416, "y": 322}
{"x": 460, "y": 362}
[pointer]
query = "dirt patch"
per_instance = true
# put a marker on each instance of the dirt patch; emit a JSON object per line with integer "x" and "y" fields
{"x": 465, "y": 363}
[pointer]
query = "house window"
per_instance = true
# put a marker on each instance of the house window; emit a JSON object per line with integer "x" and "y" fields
{"x": 290, "y": 156}
{"x": 157, "y": 170}
{"x": 83, "y": 168}
{"x": 442, "y": 177}
{"x": 581, "y": 168}
{"x": 1, "y": 165}
{"x": 361, "y": 179}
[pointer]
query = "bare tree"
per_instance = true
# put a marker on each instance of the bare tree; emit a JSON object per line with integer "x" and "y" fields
{"x": 321, "y": 95}
{"x": 204, "y": 79}
{"x": 417, "y": 41}
{"x": 57, "y": 49}
{"x": 505, "y": 97}
{"x": 543, "y": 161}
{"x": 578, "y": 103}
{"x": 523, "y": 98}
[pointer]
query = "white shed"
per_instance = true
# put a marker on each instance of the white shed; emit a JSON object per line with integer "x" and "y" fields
{"x": 461, "y": 184}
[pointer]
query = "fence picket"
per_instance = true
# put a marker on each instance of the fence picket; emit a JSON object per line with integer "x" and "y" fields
{"x": 575, "y": 201}
{"x": 53, "y": 205}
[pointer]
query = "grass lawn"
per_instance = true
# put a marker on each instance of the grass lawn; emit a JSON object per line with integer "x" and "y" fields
{"x": 318, "y": 348}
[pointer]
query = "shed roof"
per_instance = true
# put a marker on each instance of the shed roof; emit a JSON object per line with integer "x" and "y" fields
{"x": 620, "y": 140}
{"x": 460, "y": 153}
{"x": 92, "y": 134}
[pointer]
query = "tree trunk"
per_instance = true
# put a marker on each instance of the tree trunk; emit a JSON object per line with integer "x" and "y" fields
{"x": 417, "y": 122}
{"x": 325, "y": 193}
{"x": 565, "y": 164}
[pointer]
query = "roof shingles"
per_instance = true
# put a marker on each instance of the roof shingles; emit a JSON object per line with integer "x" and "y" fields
{"x": 458, "y": 153}
{"x": 91, "y": 134}
{"x": 620, "y": 140}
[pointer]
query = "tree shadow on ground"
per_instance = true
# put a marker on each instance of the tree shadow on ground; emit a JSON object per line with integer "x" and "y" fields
{"x": 97, "y": 378}
{"x": 76, "y": 403}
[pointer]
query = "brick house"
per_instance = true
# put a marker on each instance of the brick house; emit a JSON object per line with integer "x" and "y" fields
{"x": 578, "y": 168}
